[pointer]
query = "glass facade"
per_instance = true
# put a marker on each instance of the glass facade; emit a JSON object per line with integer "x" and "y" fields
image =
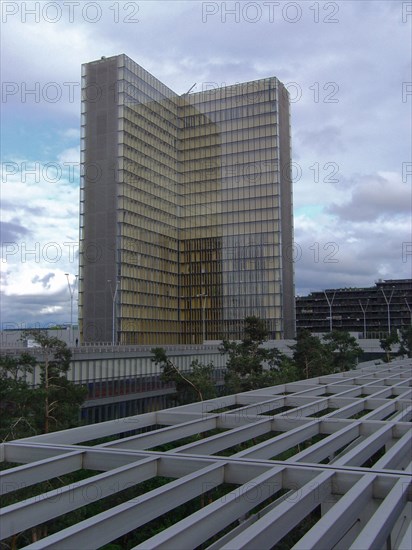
{"x": 186, "y": 209}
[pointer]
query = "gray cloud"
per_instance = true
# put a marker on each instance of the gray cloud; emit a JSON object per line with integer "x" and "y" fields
{"x": 322, "y": 141}
{"x": 11, "y": 231}
{"x": 45, "y": 281}
{"x": 373, "y": 198}
{"x": 50, "y": 309}
{"x": 7, "y": 205}
{"x": 337, "y": 257}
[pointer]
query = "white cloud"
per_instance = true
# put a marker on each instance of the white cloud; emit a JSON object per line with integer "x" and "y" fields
{"x": 71, "y": 134}
{"x": 40, "y": 241}
{"x": 70, "y": 157}
{"x": 50, "y": 310}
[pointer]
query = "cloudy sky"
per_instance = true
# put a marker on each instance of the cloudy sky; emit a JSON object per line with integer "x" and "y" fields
{"x": 346, "y": 65}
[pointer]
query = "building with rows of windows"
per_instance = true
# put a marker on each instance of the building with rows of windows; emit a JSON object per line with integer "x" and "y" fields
{"x": 186, "y": 209}
{"x": 371, "y": 312}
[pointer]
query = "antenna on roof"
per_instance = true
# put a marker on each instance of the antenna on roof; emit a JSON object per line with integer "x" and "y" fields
{"x": 190, "y": 89}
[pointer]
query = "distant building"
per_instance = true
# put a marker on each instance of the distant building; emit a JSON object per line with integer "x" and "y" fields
{"x": 373, "y": 310}
{"x": 186, "y": 209}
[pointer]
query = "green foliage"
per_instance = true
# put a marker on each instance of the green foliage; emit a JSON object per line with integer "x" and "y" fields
{"x": 403, "y": 338}
{"x": 17, "y": 418}
{"x": 63, "y": 399}
{"x": 53, "y": 404}
{"x": 60, "y": 399}
{"x": 286, "y": 372}
{"x": 406, "y": 342}
{"x": 251, "y": 366}
{"x": 387, "y": 343}
{"x": 345, "y": 349}
{"x": 255, "y": 330}
{"x": 196, "y": 385}
{"x": 311, "y": 357}
{"x": 54, "y": 352}
{"x": 338, "y": 352}
{"x": 201, "y": 377}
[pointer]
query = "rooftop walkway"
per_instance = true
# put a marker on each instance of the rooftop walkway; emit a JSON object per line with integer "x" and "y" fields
{"x": 316, "y": 464}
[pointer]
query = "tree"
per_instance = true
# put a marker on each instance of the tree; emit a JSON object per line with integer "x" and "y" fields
{"x": 17, "y": 417}
{"x": 59, "y": 399}
{"x": 345, "y": 349}
{"x": 387, "y": 343}
{"x": 311, "y": 357}
{"x": 53, "y": 404}
{"x": 251, "y": 366}
{"x": 406, "y": 342}
{"x": 196, "y": 385}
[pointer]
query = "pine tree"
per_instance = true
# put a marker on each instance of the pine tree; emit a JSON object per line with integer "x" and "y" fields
{"x": 250, "y": 365}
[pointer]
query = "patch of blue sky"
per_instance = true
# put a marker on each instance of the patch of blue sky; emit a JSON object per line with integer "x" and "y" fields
{"x": 34, "y": 137}
{"x": 309, "y": 211}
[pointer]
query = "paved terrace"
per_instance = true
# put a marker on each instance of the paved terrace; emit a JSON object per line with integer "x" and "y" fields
{"x": 316, "y": 464}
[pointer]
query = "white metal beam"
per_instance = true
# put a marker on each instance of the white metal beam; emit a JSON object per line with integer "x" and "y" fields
{"x": 328, "y": 446}
{"x": 281, "y": 443}
{"x": 29, "y": 474}
{"x": 358, "y": 455}
{"x": 375, "y": 533}
{"x": 107, "y": 526}
{"x": 163, "y": 435}
{"x": 203, "y": 524}
{"x": 274, "y": 525}
{"x": 34, "y": 511}
{"x": 225, "y": 440}
{"x": 332, "y": 527}
{"x": 342, "y": 488}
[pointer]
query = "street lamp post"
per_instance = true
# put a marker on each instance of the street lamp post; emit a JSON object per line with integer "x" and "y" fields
{"x": 388, "y": 302}
{"x": 71, "y": 291}
{"x": 364, "y": 315}
{"x": 330, "y": 303}
{"x": 409, "y": 309}
{"x": 114, "y": 295}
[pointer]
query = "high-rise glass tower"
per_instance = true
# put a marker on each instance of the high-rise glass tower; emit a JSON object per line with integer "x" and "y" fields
{"x": 186, "y": 209}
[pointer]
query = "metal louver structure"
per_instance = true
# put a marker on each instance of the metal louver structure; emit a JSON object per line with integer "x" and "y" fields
{"x": 323, "y": 463}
